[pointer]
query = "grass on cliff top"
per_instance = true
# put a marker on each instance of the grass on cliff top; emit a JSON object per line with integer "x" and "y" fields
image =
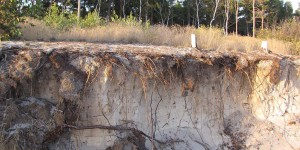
{"x": 207, "y": 38}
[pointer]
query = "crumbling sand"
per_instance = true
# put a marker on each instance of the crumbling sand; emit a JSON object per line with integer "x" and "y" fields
{"x": 179, "y": 98}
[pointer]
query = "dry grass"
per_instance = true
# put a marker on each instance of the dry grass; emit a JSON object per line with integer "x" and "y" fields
{"x": 207, "y": 38}
{"x": 280, "y": 47}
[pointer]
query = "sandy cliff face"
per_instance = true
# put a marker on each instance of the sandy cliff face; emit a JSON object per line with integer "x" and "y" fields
{"x": 99, "y": 96}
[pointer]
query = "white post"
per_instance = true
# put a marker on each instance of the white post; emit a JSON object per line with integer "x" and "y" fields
{"x": 193, "y": 40}
{"x": 264, "y": 45}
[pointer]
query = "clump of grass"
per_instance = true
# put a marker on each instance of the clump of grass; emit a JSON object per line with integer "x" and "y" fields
{"x": 286, "y": 31}
{"x": 33, "y": 30}
{"x": 209, "y": 38}
{"x": 129, "y": 33}
{"x": 171, "y": 36}
{"x": 111, "y": 33}
{"x": 239, "y": 43}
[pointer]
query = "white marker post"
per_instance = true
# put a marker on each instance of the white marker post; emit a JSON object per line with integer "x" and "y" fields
{"x": 264, "y": 46}
{"x": 193, "y": 40}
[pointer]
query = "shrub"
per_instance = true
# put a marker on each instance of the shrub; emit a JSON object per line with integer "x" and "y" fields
{"x": 10, "y": 17}
{"x": 91, "y": 20}
{"x": 60, "y": 21}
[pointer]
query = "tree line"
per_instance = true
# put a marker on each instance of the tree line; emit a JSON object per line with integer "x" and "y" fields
{"x": 240, "y": 16}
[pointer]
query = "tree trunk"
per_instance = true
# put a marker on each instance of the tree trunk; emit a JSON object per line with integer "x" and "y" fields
{"x": 121, "y": 8}
{"x": 227, "y": 8}
{"x": 109, "y": 10}
{"x": 169, "y": 14}
{"x": 124, "y": 3}
{"x": 98, "y": 6}
{"x": 189, "y": 14}
{"x": 161, "y": 16}
{"x": 78, "y": 11}
{"x": 262, "y": 19}
{"x": 236, "y": 17}
{"x": 253, "y": 18}
{"x": 197, "y": 13}
{"x": 262, "y": 22}
{"x": 215, "y": 11}
{"x": 140, "y": 11}
{"x": 147, "y": 11}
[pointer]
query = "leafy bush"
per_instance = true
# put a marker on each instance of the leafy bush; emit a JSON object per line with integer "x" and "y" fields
{"x": 10, "y": 17}
{"x": 60, "y": 21}
{"x": 91, "y": 20}
{"x": 65, "y": 21}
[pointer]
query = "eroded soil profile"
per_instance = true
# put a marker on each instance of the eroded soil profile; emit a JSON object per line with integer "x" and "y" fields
{"x": 86, "y": 96}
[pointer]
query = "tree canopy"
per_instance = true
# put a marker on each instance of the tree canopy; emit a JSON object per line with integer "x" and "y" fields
{"x": 10, "y": 16}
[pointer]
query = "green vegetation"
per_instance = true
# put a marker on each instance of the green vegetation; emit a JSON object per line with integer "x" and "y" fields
{"x": 10, "y": 17}
{"x": 63, "y": 20}
{"x": 91, "y": 20}
{"x": 59, "y": 20}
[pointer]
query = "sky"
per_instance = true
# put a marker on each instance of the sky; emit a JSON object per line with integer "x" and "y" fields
{"x": 295, "y": 3}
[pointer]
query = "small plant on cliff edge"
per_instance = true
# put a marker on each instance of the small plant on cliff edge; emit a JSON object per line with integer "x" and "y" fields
{"x": 10, "y": 17}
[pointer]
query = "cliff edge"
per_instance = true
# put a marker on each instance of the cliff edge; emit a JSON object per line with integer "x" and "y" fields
{"x": 68, "y": 95}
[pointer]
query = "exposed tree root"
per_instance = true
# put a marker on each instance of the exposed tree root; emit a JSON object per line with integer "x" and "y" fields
{"x": 135, "y": 131}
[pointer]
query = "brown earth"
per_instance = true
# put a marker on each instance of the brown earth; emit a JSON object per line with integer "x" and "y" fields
{"x": 108, "y": 96}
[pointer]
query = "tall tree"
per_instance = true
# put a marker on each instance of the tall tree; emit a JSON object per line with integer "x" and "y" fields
{"x": 146, "y": 10}
{"x": 163, "y": 9}
{"x": 123, "y": 8}
{"x": 187, "y": 6}
{"x": 227, "y": 10}
{"x": 288, "y": 10}
{"x": 34, "y": 8}
{"x": 236, "y": 16}
{"x": 78, "y": 10}
{"x": 274, "y": 12}
{"x": 110, "y": 7}
{"x": 98, "y": 6}
{"x": 253, "y": 18}
{"x": 215, "y": 11}
{"x": 140, "y": 10}
{"x": 197, "y": 2}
